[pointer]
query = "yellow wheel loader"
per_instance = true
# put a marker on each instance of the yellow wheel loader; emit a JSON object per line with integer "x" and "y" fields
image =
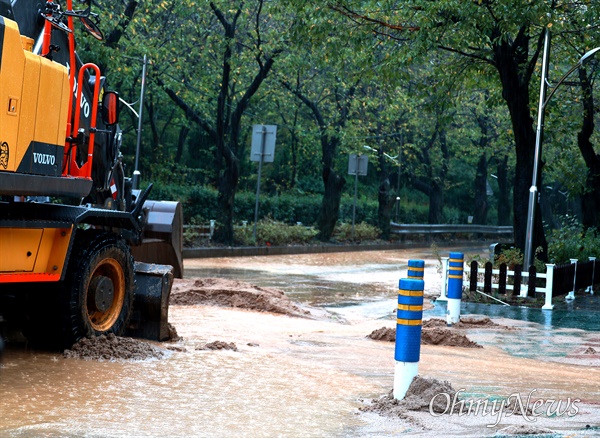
{"x": 82, "y": 252}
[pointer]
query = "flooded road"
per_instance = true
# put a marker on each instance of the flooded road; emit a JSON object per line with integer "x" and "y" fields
{"x": 291, "y": 376}
{"x": 329, "y": 278}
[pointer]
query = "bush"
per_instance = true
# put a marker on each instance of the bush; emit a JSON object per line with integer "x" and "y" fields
{"x": 572, "y": 241}
{"x": 198, "y": 202}
{"x": 201, "y": 204}
{"x": 511, "y": 256}
{"x": 169, "y": 192}
{"x": 452, "y": 215}
{"x": 412, "y": 213}
{"x": 270, "y": 232}
{"x": 362, "y": 232}
{"x": 366, "y": 210}
{"x": 287, "y": 208}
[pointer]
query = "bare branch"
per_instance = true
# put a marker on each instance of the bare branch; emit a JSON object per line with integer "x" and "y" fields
{"x": 468, "y": 55}
{"x": 356, "y": 16}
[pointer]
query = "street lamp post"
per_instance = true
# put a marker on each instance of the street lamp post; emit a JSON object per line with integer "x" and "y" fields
{"x": 135, "y": 181}
{"x": 136, "y": 170}
{"x": 533, "y": 191}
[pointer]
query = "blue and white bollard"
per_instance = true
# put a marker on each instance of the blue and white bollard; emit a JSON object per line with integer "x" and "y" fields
{"x": 455, "y": 283}
{"x": 408, "y": 334}
{"x": 416, "y": 269}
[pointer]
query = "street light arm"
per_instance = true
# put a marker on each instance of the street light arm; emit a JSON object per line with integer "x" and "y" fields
{"x": 388, "y": 156}
{"x": 584, "y": 58}
{"x": 128, "y": 105}
{"x": 561, "y": 80}
{"x": 588, "y": 54}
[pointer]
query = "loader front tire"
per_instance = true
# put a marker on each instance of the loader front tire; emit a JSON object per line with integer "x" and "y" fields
{"x": 99, "y": 286}
{"x": 95, "y": 298}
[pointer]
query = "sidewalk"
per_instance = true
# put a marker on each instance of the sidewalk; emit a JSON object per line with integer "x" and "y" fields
{"x": 243, "y": 251}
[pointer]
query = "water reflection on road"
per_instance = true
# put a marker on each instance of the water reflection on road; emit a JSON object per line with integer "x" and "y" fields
{"x": 329, "y": 278}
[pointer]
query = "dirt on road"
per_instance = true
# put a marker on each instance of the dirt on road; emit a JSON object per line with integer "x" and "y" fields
{"x": 111, "y": 347}
{"x": 232, "y": 293}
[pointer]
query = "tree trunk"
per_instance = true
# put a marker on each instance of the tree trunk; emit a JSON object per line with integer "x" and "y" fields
{"x": 228, "y": 182}
{"x": 153, "y": 127}
{"x": 330, "y": 206}
{"x": 226, "y": 131}
{"x": 433, "y": 185}
{"x": 332, "y": 181}
{"x": 481, "y": 205}
{"x": 503, "y": 193}
{"x": 183, "y": 133}
{"x": 590, "y": 200}
{"x": 436, "y": 203}
{"x": 294, "y": 147}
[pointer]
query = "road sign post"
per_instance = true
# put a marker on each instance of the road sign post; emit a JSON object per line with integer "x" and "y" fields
{"x": 357, "y": 165}
{"x": 263, "y": 149}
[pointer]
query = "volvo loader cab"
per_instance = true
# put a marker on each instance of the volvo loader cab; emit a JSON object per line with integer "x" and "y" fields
{"x": 81, "y": 253}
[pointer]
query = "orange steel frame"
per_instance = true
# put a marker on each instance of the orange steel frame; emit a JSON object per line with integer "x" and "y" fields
{"x": 48, "y": 253}
{"x": 57, "y": 250}
{"x": 72, "y": 168}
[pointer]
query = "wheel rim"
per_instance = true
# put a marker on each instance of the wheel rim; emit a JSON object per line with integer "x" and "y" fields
{"x": 104, "y": 307}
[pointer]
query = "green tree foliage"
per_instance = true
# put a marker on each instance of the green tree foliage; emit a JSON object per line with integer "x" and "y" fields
{"x": 448, "y": 88}
{"x": 210, "y": 59}
{"x": 505, "y": 37}
{"x": 324, "y": 76}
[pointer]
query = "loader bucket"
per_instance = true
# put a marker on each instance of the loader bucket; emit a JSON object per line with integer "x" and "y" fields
{"x": 149, "y": 318}
{"x": 162, "y": 241}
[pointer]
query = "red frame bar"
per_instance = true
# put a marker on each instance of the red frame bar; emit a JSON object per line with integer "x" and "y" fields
{"x": 73, "y": 169}
{"x": 29, "y": 277}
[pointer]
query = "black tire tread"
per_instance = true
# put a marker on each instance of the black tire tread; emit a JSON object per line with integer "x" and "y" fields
{"x": 88, "y": 244}
{"x": 55, "y": 315}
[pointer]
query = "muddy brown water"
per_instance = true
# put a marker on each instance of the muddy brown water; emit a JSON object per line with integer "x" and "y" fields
{"x": 290, "y": 376}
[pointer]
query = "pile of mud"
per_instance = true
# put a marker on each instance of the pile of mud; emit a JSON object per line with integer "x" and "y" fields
{"x": 429, "y": 336}
{"x": 525, "y": 430}
{"x": 439, "y": 336}
{"x": 218, "y": 345}
{"x": 232, "y": 293}
{"x": 420, "y": 395}
{"x": 173, "y": 335}
{"x": 466, "y": 322}
{"x": 383, "y": 334}
{"x": 583, "y": 355}
{"x": 110, "y": 348}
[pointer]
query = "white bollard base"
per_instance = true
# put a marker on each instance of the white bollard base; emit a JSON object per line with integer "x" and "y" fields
{"x": 453, "y": 312}
{"x": 570, "y": 296}
{"x": 404, "y": 374}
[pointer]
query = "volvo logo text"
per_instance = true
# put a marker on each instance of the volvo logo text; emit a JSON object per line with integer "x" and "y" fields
{"x": 44, "y": 159}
